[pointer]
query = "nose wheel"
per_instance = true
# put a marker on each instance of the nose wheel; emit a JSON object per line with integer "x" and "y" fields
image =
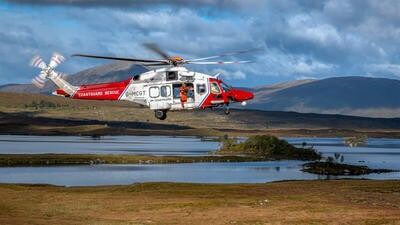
{"x": 160, "y": 114}
{"x": 227, "y": 110}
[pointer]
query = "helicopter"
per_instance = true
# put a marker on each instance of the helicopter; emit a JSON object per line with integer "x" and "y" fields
{"x": 159, "y": 89}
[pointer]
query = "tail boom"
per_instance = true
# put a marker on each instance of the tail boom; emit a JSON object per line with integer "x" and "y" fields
{"x": 105, "y": 91}
{"x": 57, "y": 79}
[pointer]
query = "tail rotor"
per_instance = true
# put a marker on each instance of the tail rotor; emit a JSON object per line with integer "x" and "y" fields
{"x": 37, "y": 62}
{"x": 46, "y": 70}
{"x": 56, "y": 60}
{"x": 40, "y": 80}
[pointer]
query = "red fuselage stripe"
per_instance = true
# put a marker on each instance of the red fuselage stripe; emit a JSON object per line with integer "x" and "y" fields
{"x": 106, "y": 91}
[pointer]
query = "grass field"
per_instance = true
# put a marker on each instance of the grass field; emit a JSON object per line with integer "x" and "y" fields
{"x": 289, "y": 202}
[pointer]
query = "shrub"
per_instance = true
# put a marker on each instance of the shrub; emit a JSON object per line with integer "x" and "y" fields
{"x": 42, "y": 104}
{"x": 266, "y": 146}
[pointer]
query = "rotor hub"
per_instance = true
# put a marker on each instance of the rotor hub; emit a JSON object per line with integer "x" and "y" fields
{"x": 176, "y": 58}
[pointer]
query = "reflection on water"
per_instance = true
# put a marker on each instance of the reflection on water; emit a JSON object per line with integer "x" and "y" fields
{"x": 380, "y": 153}
{"x": 154, "y": 145}
{"x": 253, "y": 172}
{"x": 249, "y": 172}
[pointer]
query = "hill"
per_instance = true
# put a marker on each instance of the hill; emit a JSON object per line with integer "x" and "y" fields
{"x": 361, "y": 96}
{"x": 115, "y": 71}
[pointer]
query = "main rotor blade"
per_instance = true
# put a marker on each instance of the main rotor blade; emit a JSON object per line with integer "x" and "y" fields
{"x": 226, "y": 54}
{"x": 153, "y": 47}
{"x": 121, "y": 59}
{"x": 221, "y": 62}
{"x": 156, "y": 64}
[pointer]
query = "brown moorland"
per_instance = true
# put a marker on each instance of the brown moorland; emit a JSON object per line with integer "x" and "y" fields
{"x": 288, "y": 202}
{"x": 35, "y": 114}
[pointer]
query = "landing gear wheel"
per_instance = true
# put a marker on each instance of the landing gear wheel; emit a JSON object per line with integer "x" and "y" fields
{"x": 160, "y": 114}
{"x": 227, "y": 111}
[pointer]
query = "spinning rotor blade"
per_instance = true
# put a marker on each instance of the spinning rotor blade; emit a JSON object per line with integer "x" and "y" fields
{"x": 153, "y": 47}
{"x": 226, "y": 54}
{"x": 36, "y": 61}
{"x": 40, "y": 80}
{"x": 156, "y": 64}
{"x": 56, "y": 60}
{"x": 226, "y": 62}
{"x": 121, "y": 59}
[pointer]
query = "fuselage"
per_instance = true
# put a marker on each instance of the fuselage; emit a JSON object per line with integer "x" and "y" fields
{"x": 159, "y": 90}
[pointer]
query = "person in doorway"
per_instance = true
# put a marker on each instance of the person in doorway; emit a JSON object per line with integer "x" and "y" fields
{"x": 184, "y": 92}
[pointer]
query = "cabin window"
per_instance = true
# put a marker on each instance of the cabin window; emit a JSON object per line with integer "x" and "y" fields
{"x": 154, "y": 92}
{"x": 215, "y": 88}
{"x": 201, "y": 88}
{"x": 165, "y": 91}
{"x": 176, "y": 93}
{"x": 172, "y": 75}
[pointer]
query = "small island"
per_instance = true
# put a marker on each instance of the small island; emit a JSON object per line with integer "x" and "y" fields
{"x": 266, "y": 147}
{"x": 336, "y": 169}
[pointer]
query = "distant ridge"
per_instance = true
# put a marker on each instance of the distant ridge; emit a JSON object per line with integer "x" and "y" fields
{"x": 115, "y": 71}
{"x": 361, "y": 96}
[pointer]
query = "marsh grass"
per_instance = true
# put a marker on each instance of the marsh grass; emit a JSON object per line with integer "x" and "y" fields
{"x": 335, "y": 168}
{"x": 9, "y": 160}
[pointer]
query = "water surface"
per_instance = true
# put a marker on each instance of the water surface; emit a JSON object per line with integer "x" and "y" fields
{"x": 154, "y": 145}
{"x": 380, "y": 153}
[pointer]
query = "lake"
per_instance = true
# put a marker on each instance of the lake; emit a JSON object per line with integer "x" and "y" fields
{"x": 153, "y": 145}
{"x": 380, "y": 153}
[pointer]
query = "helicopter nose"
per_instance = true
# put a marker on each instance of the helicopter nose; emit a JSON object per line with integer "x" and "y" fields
{"x": 249, "y": 95}
{"x": 241, "y": 95}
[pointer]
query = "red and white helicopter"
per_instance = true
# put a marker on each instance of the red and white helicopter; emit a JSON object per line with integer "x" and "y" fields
{"x": 158, "y": 89}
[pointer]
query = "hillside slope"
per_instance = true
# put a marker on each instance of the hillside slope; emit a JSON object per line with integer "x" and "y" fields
{"x": 361, "y": 96}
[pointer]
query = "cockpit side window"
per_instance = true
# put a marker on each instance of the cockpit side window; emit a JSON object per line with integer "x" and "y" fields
{"x": 225, "y": 87}
{"x": 215, "y": 88}
{"x": 201, "y": 89}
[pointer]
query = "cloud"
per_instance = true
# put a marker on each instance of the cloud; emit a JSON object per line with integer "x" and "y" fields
{"x": 384, "y": 69}
{"x": 239, "y": 75}
{"x": 301, "y": 38}
{"x": 221, "y": 4}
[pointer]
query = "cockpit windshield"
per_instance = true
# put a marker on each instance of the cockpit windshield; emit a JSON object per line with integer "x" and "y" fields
{"x": 225, "y": 87}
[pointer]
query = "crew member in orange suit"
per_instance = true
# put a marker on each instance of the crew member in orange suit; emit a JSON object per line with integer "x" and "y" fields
{"x": 184, "y": 91}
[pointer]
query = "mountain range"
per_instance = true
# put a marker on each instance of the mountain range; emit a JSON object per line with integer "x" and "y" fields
{"x": 353, "y": 95}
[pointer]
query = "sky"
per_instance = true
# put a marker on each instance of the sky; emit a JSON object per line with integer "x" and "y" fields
{"x": 300, "y": 39}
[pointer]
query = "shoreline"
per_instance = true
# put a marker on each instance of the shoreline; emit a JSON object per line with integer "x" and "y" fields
{"x": 100, "y": 130}
{"x": 26, "y": 160}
